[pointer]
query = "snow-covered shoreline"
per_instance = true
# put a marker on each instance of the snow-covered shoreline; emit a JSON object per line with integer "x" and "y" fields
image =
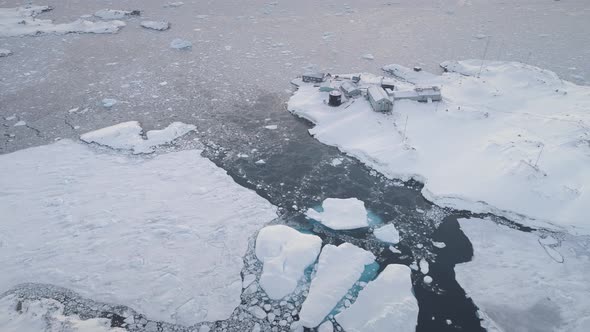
{"x": 479, "y": 148}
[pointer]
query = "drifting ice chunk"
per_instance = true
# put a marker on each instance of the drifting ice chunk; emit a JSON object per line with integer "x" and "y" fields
{"x": 20, "y": 123}
{"x": 4, "y": 52}
{"x": 174, "y": 4}
{"x": 424, "y": 266}
{"x": 174, "y": 226}
{"x": 46, "y": 315}
{"x": 286, "y": 253}
{"x": 127, "y": 136}
{"x": 387, "y": 233}
{"x": 386, "y": 304}
{"x": 338, "y": 269}
{"x": 181, "y": 44}
{"x": 326, "y": 327}
{"x": 156, "y": 25}
{"x": 368, "y": 56}
{"x": 114, "y": 14}
{"x": 271, "y": 127}
{"x": 108, "y": 102}
{"x": 21, "y": 21}
{"x": 341, "y": 214}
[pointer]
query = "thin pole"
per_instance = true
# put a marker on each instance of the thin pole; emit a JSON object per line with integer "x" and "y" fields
{"x": 405, "y": 127}
{"x": 539, "y": 156}
{"x": 485, "y": 52}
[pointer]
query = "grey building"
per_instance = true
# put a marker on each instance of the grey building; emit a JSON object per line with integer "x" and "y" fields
{"x": 313, "y": 77}
{"x": 421, "y": 94}
{"x": 350, "y": 89}
{"x": 379, "y": 99}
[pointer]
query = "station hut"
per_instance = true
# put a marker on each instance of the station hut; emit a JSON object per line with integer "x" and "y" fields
{"x": 420, "y": 94}
{"x": 379, "y": 99}
{"x": 387, "y": 83}
{"x": 350, "y": 89}
{"x": 313, "y": 77}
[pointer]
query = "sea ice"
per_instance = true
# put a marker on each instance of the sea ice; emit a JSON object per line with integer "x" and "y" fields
{"x": 22, "y": 21}
{"x": 108, "y": 102}
{"x": 20, "y": 123}
{"x": 339, "y": 267}
{"x": 114, "y": 14}
{"x": 341, "y": 214}
{"x": 271, "y": 127}
{"x": 385, "y": 304}
{"x": 127, "y": 136}
{"x": 156, "y": 25}
{"x": 4, "y": 52}
{"x": 164, "y": 235}
{"x": 285, "y": 253}
{"x": 509, "y": 129}
{"x": 327, "y": 326}
{"x": 387, "y": 233}
{"x": 46, "y": 315}
{"x": 181, "y": 44}
{"x": 518, "y": 286}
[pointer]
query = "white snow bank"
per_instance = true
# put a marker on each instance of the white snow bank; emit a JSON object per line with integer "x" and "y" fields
{"x": 387, "y": 233}
{"x": 340, "y": 214}
{"x": 479, "y": 148}
{"x": 115, "y": 14}
{"x": 127, "y": 136}
{"x": 22, "y": 21}
{"x": 519, "y": 285}
{"x": 286, "y": 253}
{"x": 155, "y": 25}
{"x": 410, "y": 75}
{"x": 338, "y": 269}
{"x": 385, "y": 304}
{"x": 165, "y": 236}
{"x": 46, "y": 315}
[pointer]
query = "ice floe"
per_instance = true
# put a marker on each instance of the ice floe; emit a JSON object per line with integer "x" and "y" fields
{"x": 285, "y": 253}
{"x": 387, "y": 233}
{"x": 22, "y": 21}
{"x": 155, "y": 25}
{"x": 115, "y": 14}
{"x": 518, "y": 286}
{"x": 339, "y": 267}
{"x": 165, "y": 235}
{"x": 128, "y": 136}
{"x": 385, "y": 304}
{"x": 341, "y": 214}
{"x": 46, "y": 315}
{"x": 4, "y": 52}
{"x": 181, "y": 44}
{"x": 509, "y": 130}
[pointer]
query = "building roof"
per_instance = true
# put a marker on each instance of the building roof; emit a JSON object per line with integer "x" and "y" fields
{"x": 349, "y": 86}
{"x": 377, "y": 93}
{"x": 314, "y": 75}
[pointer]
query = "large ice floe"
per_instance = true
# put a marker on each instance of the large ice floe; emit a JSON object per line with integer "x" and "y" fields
{"x": 23, "y": 21}
{"x": 341, "y": 214}
{"x": 513, "y": 139}
{"x": 128, "y": 136}
{"x": 385, "y": 304}
{"x": 526, "y": 281}
{"x": 164, "y": 235}
{"x": 46, "y": 315}
{"x": 338, "y": 268}
{"x": 285, "y": 253}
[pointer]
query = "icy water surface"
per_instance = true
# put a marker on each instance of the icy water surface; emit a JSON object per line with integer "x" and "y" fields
{"x": 234, "y": 83}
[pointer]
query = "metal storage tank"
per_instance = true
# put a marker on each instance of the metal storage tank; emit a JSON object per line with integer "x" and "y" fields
{"x": 335, "y": 98}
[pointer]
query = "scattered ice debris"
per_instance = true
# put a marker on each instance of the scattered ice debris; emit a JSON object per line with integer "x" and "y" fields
{"x": 22, "y": 21}
{"x": 285, "y": 253}
{"x": 20, "y": 123}
{"x": 174, "y": 4}
{"x": 114, "y": 14}
{"x": 127, "y": 136}
{"x": 518, "y": 286}
{"x": 181, "y": 44}
{"x": 510, "y": 128}
{"x": 248, "y": 280}
{"x": 385, "y": 304}
{"x": 260, "y": 162}
{"x": 336, "y": 162}
{"x": 394, "y": 250}
{"x": 258, "y": 312}
{"x": 4, "y": 52}
{"x": 46, "y": 315}
{"x": 481, "y": 36}
{"x": 155, "y": 25}
{"x": 108, "y": 102}
{"x": 10, "y": 118}
{"x": 368, "y": 56}
{"x": 341, "y": 214}
{"x": 271, "y": 127}
{"x": 141, "y": 219}
{"x": 337, "y": 270}
{"x": 424, "y": 266}
{"x": 387, "y": 233}
{"x": 427, "y": 280}
{"x": 439, "y": 244}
